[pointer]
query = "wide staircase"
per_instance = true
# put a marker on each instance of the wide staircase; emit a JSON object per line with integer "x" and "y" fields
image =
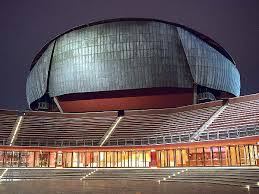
{"x": 44, "y": 174}
{"x": 238, "y": 115}
{"x": 7, "y": 122}
{"x": 240, "y": 118}
{"x": 236, "y": 176}
{"x": 130, "y": 174}
{"x": 54, "y": 129}
{"x": 158, "y": 123}
{"x": 223, "y": 176}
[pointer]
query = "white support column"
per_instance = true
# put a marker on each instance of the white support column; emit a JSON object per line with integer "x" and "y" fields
{"x": 15, "y": 130}
{"x": 109, "y": 131}
{"x": 205, "y": 126}
{"x": 58, "y": 105}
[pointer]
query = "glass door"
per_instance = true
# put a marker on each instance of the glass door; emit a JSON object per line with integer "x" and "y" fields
{"x": 2, "y": 158}
{"x": 59, "y": 160}
{"x": 200, "y": 157}
{"x": 15, "y": 160}
{"x": 8, "y": 159}
{"x": 216, "y": 159}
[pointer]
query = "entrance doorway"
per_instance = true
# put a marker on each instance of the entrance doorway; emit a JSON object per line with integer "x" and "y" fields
{"x": 59, "y": 160}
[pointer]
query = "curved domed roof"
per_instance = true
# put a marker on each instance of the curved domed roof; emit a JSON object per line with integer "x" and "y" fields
{"x": 130, "y": 53}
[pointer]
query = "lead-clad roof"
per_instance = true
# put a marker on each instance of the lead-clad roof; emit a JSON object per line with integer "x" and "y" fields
{"x": 209, "y": 67}
{"x": 129, "y": 55}
{"x": 37, "y": 80}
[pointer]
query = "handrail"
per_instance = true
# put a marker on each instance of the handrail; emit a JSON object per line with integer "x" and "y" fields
{"x": 156, "y": 140}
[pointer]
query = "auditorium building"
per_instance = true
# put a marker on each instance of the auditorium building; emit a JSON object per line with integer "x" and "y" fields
{"x": 132, "y": 93}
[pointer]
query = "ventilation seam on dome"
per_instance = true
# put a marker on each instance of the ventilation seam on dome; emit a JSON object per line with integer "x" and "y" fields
{"x": 185, "y": 55}
{"x": 50, "y": 63}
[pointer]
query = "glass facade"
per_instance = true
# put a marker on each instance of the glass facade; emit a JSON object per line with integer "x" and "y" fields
{"x": 233, "y": 155}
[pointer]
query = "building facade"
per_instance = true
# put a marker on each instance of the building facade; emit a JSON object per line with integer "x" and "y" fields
{"x": 132, "y": 93}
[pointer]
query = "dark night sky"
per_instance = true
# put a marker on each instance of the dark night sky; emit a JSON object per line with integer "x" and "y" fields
{"x": 28, "y": 24}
